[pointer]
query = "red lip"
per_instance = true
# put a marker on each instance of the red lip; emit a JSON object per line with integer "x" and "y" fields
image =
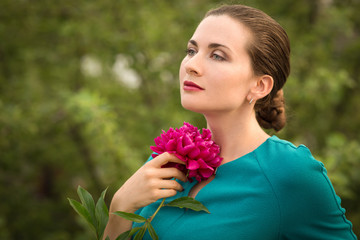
{"x": 191, "y": 86}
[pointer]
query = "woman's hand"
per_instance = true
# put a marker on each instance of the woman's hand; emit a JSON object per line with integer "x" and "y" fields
{"x": 148, "y": 184}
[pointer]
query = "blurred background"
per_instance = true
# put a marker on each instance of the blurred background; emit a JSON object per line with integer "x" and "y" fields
{"x": 86, "y": 85}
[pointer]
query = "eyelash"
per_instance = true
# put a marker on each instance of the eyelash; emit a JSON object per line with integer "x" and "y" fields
{"x": 220, "y": 58}
{"x": 190, "y": 52}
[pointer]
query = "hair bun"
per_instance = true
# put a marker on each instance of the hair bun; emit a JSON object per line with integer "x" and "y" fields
{"x": 272, "y": 115}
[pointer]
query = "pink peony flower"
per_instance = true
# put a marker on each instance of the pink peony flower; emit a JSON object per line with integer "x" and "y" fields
{"x": 196, "y": 149}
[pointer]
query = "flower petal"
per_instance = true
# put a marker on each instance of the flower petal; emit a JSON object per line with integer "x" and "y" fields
{"x": 196, "y": 149}
{"x": 204, "y": 153}
{"x": 181, "y": 157}
{"x": 194, "y": 153}
{"x": 156, "y": 149}
{"x": 171, "y": 145}
{"x": 206, "y": 172}
{"x": 192, "y": 164}
{"x": 184, "y": 145}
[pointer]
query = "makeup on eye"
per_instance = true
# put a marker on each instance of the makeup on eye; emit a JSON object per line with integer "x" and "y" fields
{"x": 190, "y": 52}
{"x": 216, "y": 54}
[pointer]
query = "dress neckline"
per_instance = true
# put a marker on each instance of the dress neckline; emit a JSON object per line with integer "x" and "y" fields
{"x": 191, "y": 185}
{"x": 273, "y": 137}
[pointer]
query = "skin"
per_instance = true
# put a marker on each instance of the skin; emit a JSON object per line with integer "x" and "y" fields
{"x": 218, "y": 63}
{"x": 147, "y": 185}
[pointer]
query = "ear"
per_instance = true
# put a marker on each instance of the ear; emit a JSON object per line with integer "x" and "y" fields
{"x": 262, "y": 87}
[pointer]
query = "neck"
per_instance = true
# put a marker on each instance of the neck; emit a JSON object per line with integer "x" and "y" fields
{"x": 236, "y": 134}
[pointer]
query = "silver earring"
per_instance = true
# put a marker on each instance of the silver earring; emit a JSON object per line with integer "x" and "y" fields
{"x": 250, "y": 102}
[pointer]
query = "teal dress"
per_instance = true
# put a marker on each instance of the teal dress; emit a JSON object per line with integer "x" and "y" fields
{"x": 277, "y": 191}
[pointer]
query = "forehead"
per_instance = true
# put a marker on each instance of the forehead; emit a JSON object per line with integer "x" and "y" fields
{"x": 224, "y": 30}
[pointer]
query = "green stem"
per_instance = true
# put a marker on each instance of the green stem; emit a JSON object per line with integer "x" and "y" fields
{"x": 157, "y": 210}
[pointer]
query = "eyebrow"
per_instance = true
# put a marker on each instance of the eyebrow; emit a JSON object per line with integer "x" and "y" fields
{"x": 211, "y": 45}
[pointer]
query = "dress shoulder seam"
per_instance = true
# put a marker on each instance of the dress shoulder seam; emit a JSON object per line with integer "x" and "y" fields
{"x": 273, "y": 191}
{"x": 337, "y": 203}
{"x": 286, "y": 143}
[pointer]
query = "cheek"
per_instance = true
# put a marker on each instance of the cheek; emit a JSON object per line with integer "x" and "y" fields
{"x": 227, "y": 81}
{"x": 233, "y": 85}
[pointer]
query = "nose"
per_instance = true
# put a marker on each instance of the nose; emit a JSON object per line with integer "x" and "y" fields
{"x": 193, "y": 65}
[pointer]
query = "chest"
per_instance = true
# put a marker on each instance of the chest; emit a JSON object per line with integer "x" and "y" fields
{"x": 239, "y": 206}
{"x": 198, "y": 186}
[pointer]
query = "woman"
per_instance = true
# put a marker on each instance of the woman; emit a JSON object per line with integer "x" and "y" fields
{"x": 236, "y": 65}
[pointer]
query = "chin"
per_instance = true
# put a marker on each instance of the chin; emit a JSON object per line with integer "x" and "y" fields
{"x": 189, "y": 105}
{"x": 193, "y": 106}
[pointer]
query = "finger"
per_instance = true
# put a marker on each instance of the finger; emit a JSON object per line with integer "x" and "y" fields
{"x": 171, "y": 184}
{"x": 168, "y": 173}
{"x": 165, "y": 193}
{"x": 165, "y": 158}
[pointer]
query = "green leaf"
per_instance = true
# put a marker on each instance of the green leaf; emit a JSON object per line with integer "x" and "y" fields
{"x": 83, "y": 212}
{"x": 107, "y": 238}
{"x": 123, "y": 236}
{"x": 188, "y": 202}
{"x": 101, "y": 214}
{"x": 152, "y": 232}
{"x": 134, "y": 230}
{"x": 141, "y": 233}
{"x": 127, "y": 234}
{"x": 88, "y": 202}
{"x": 131, "y": 216}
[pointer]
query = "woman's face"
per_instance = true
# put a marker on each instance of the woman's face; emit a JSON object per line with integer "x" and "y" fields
{"x": 216, "y": 74}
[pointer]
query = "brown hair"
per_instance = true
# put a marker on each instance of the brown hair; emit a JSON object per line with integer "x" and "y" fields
{"x": 269, "y": 51}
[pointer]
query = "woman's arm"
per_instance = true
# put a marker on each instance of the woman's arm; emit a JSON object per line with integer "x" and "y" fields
{"x": 147, "y": 185}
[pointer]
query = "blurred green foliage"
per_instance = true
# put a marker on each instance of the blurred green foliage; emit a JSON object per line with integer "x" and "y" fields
{"x": 85, "y": 86}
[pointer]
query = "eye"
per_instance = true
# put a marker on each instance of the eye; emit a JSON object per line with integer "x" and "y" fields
{"x": 217, "y": 57}
{"x": 190, "y": 52}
